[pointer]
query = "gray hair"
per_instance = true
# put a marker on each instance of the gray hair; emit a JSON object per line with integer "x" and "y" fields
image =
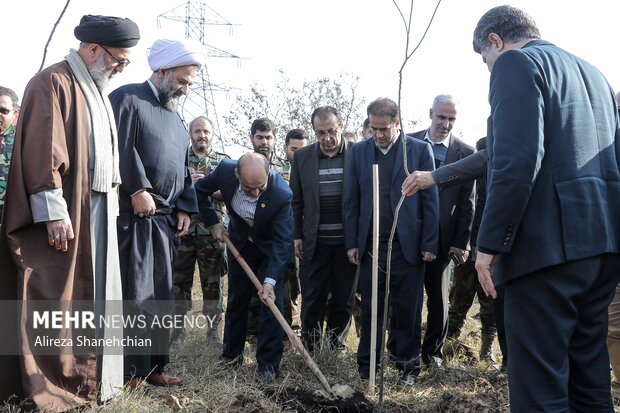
{"x": 445, "y": 99}
{"x": 509, "y": 23}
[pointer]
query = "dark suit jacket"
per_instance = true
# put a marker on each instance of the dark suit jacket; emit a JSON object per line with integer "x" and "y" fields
{"x": 272, "y": 232}
{"x": 553, "y": 180}
{"x": 456, "y": 203}
{"x": 418, "y": 222}
{"x": 466, "y": 169}
{"x": 306, "y": 201}
{"x": 472, "y": 167}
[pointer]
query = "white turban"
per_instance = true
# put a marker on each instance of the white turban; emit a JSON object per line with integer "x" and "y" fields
{"x": 166, "y": 54}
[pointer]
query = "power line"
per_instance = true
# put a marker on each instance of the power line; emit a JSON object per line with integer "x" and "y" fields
{"x": 200, "y": 100}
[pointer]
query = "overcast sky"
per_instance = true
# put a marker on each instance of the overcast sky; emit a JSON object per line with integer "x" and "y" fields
{"x": 309, "y": 39}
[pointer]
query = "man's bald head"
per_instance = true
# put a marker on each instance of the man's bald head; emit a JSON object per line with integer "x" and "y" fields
{"x": 252, "y": 172}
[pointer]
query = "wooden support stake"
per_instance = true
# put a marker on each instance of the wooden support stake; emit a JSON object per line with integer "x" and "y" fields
{"x": 375, "y": 278}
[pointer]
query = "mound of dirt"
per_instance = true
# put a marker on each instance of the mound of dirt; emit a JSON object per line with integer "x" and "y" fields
{"x": 302, "y": 400}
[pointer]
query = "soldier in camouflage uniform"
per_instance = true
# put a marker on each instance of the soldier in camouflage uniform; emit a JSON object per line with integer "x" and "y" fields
{"x": 263, "y": 138}
{"x": 466, "y": 285}
{"x": 9, "y": 110}
{"x": 199, "y": 246}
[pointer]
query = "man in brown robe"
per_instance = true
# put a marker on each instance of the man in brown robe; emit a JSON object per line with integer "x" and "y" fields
{"x": 58, "y": 240}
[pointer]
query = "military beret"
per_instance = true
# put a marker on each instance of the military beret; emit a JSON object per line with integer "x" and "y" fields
{"x": 107, "y": 31}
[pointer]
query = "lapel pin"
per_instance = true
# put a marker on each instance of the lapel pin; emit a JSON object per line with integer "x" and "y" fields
{"x": 262, "y": 205}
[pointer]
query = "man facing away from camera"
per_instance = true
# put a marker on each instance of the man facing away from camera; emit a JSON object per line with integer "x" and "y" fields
{"x": 550, "y": 230}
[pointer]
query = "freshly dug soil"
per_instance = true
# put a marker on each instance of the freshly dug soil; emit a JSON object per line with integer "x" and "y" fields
{"x": 301, "y": 400}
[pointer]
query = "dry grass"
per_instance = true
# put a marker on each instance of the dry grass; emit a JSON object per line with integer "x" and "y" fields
{"x": 463, "y": 386}
{"x": 458, "y": 388}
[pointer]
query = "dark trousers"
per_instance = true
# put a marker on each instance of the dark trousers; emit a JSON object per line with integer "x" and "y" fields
{"x": 290, "y": 291}
{"x": 436, "y": 284}
{"x": 498, "y": 312}
{"x": 329, "y": 271}
{"x": 240, "y": 290}
{"x": 556, "y": 328}
{"x": 406, "y": 296}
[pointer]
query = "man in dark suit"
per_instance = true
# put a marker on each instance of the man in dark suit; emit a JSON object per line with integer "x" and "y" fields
{"x": 258, "y": 201}
{"x": 317, "y": 182}
{"x": 613, "y": 333}
{"x": 472, "y": 167}
{"x": 456, "y": 210}
{"x": 414, "y": 242}
{"x": 551, "y": 226}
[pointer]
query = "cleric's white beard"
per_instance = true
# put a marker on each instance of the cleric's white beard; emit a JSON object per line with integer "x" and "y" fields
{"x": 101, "y": 74}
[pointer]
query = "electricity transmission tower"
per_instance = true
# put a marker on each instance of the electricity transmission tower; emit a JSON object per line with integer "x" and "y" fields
{"x": 196, "y": 16}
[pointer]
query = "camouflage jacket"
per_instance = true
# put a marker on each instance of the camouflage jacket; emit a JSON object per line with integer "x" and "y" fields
{"x": 281, "y": 166}
{"x": 204, "y": 166}
{"x": 6, "y": 149}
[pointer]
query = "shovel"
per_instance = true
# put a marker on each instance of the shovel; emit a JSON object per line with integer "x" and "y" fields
{"x": 339, "y": 391}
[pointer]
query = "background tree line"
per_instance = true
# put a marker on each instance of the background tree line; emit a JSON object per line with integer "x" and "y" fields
{"x": 290, "y": 105}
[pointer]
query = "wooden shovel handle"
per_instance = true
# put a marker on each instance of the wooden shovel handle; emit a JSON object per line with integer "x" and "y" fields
{"x": 278, "y": 315}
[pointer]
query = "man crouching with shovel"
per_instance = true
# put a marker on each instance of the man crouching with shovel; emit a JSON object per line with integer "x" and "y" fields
{"x": 261, "y": 221}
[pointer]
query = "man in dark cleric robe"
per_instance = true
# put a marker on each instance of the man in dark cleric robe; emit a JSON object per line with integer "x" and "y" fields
{"x": 58, "y": 239}
{"x": 157, "y": 194}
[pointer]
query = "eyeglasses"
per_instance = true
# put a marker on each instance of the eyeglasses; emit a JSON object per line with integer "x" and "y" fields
{"x": 321, "y": 133}
{"x": 5, "y": 111}
{"x": 123, "y": 63}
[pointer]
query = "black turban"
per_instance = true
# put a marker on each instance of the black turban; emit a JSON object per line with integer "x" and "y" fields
{"x": 107, "y": 31}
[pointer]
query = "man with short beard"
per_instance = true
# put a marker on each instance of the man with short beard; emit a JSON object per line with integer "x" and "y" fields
{"x": 157, "y": 195}
{"x": 263, "y": 139}
{"x": 63, "y": 192}
{"x": 199, "y": 245}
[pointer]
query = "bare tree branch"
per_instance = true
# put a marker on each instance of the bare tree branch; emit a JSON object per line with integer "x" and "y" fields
{"x": 425, "y": 31}
{"x": 402, "y": 198}
{"x": 401, "y": 15}
{"x": 408, "y": 56}
{"x": 49, "y": 40}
